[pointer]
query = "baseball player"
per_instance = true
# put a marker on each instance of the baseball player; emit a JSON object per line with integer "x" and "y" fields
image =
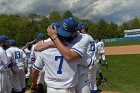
{"x": 16, "y": 57}
{"x": 79, "y": 44}
{"x": 101, "y": 51}
{"x": 34, "y": 55}
{"x": 27, "y": 51}
{"x": 4, "y": 65}
{"x": 6, "y": 44}
{"x": 83, "y": 28}
{"x": 98, "y": 46}
{"x": 60, "y": 76}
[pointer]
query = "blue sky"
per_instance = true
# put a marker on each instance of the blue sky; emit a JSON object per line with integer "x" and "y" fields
{"x": 116, "y": 10}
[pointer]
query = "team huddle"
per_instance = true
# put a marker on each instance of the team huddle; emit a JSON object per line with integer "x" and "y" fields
{"x": 66, "y": 62}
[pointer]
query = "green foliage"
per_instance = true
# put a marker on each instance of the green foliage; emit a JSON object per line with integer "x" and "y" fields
{"x": 25, "y": 28}
{"x": 135, "y": 23}
{"x": 55, "y": 17}
{"x": 67, "y": 14}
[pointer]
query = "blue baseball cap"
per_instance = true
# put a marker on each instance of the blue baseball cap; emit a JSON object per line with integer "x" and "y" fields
{"x": 55, "y": 24}
{"x": 12, "y": 42}
{"x": 3, "y": 38}
{"x": 40, "y": 36}
{"x": 82, "y": 25}
{"x": 68, "y": 26}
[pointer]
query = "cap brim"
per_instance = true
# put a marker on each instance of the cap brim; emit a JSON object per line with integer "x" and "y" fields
{"x": 63, "y": 32}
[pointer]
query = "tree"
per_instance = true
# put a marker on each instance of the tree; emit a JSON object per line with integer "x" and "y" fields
{"x": 102, "y": 25}
{"x": 67, "y": 14}
{"x": 34, "y": 16}
{"x": 135, "y": 23}
{"x": 55, "y": 17}
{"x": 44, "y": 23}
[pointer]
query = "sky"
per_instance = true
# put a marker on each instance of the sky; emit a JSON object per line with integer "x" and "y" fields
{"x": 118, "y": 11}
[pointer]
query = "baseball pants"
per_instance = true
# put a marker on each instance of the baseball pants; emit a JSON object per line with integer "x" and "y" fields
{"x": 83, "y": 84}
{"x": 4, "y": 81}
{"x": 19, "y": 80}
{"x": 92, "y": 77}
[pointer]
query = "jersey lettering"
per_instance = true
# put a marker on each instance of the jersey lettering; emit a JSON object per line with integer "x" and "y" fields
{"x": 60, "y": 59}
{"x": 17, "y": 55}
{"x": 92, "y": 45}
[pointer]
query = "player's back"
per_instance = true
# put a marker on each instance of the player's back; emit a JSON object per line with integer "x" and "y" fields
{"x": 16, "y": 55}
{"x": 59, "y": 73}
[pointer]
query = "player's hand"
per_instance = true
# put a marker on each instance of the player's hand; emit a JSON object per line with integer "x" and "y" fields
{"x": 34, "y": 88}
{"x": 52, "y": 32}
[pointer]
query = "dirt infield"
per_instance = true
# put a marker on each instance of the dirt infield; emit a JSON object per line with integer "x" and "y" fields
{"x": 121, "y": 50}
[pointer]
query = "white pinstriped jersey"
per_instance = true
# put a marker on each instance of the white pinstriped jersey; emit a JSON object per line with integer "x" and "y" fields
{"x": 58, "y": 72}
{"x": 17, "y": 56}
{"x": 3, "y": 60}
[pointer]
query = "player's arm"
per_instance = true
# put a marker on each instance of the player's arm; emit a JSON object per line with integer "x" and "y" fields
{"x": 66, "y": 52}
{"x": 32, "y": 42}
{"x": 32, "y": 55}
{"x": 6, "y": 62}
{"x": 38, "y": 65}
{"x": 35, "y": 74}
{"x": 42, "y": 46}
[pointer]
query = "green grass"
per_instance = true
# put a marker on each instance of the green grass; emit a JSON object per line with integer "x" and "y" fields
{"x": 123, "y": 74}
{"x": 122, "y": 43}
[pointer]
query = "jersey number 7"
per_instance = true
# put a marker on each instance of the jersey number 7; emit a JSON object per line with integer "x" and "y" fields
{"x": 60, "y": 59}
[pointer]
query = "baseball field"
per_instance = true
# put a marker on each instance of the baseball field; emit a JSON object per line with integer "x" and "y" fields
{"x": 124, "y": 67}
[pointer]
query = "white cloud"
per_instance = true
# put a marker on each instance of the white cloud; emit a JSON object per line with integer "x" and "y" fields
{"x": 116, "y": 10}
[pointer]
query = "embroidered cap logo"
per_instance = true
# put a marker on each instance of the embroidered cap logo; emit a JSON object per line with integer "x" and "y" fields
{"x": 65, "y": 26}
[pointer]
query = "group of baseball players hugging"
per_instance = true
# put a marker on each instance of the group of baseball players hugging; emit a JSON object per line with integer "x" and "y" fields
{"x": 66, "y": 62}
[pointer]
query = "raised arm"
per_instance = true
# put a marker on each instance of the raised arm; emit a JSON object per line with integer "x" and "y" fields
{"x": 68, "y": 54}
{"x": 42, "y": 46}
